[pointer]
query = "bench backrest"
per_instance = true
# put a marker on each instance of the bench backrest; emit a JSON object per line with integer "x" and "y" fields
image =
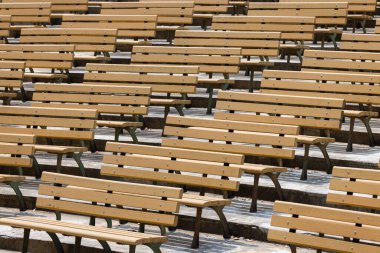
{"x": 309, "y": 112}
{"x": 11, "y": 76}
{"x": 49, "y": 123}
{"x": 197, "y": 168}
{"x": 50, "y": 56}
{"x": 353, "y": 88}
{"x": 209, "y": 59}
{"x": 329, "y": 229}
{"x": 326, "y": 14}
{"x": 291, "y": 28}
{"x": 128, "y": 26}
{"x": 252, "y": 43}
{"x": 344, "y": 61}
{"x": 360, "y": 42}
{"x": 116, "y": 100}
{"x": 27, "y": 13}
{"x": 100, "y": 198}
{"x": 355, "y": 187}
{"x": 14, "y": 152}
{"x": 168, "y": 12}
{"x": 354, "y": 6}
{"x": 250, "y": 139}
{"x": 59, "y": 6}
{"x": 5, "y": 25}
{"x": 161, "y": 78}
{"x": 84, "y": 39}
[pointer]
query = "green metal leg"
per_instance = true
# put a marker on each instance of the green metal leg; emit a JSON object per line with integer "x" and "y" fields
{"x": 155, "y": 247}
{"x": 59, "y": 163}
{"x": 77, "y": 247}
{"x": 109, "y": 222}
{"x": 57, "y": 242}
{"x": 25, "y": 242}
{"x": 77, "y": 157}
{"x": 163, "y": 230}
{"x": 20, "y": 197}
{"x": 132, "y": 248}
{"x": 36, "y": 167}
{"x": 210, "y": 102}
{"x": 179, "y": 110}
{"x": 117, "y": 133}
{"x": 142, "y": 228}
{"x": 106, "y": 247}
{"x": 132, "y": 133}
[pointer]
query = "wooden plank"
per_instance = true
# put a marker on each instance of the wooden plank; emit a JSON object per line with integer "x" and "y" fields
{"x": 233, "y": 149}
{"x": 232, "y": 125}
{"x": 114, "y": 186}
{"x": 171, "y": 178}
{"x": 174, "y": 152}
{"x": 87, "y": 194}
{"x": 192, "y": 166}
{"x": 107, "y": 212}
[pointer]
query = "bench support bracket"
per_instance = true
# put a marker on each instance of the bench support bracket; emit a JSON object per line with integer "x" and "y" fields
{"x": 20, "y": 197}
{"x": 223, "y": 221}
{"x": 57, "y": 242}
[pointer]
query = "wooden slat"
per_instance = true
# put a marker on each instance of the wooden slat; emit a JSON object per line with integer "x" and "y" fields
{"x": 86, "y": 194}
{"x": 107, "y": 212}
{"x": 114, "y": 186}
{"x": 174, "y": 152}
{"x": 232, "y": 125}
{"x": 171, "y": 178}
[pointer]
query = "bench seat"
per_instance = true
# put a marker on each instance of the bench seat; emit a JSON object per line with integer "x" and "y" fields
{"x": 159, "y": 101}
{"x": 304, "y": 139}
{"x": 50, "y": 76}
{"x": 260, "y": 168}
{"x": 215, "y": 81}
{"x": 359, "y": 114}
{"x": 59, "y": 149}
{"x": 80, "y": 230}
{"x": 202, "y": 201}
{"x": 360, "y": 16}
{"x": 118, "y": 124}
{"x": 328, "y": 30}
{"x": 89, "y": 58}
{"x": 133, "y": 42}
{"x": 11, "y": 178}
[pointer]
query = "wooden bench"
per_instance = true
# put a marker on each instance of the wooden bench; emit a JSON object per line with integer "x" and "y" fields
{"x": 132, "y": 29}
{"x": 93, "y": 44}
{"x": 348, "y": 62}
{"x": 184, "y": 167}
{"x": 16, "y": 153}
{"x": 257, "y": 47}
{"x": 333, "y": 229}
{"x": 293, "y": 29}
{"x": 307, "y": 112}
{"x": 355, "y": 187}
{"x": 359, "y": 89}
{"x": 329, "y": 16}
{"x": 23, "y": 15}
{"x": 167, "y": 79}
{"x": 172, "y": 15}
{"x": 49, "y": 124}
{"x": 97, "y": 198}
{"x": 43, "y": 62}
{"x": 323, "y": 228}
{"x": 250, "y": 139}
{"x": 360, "y": 42}
{"x": 211, "y": 61}
{"x": 5, "y": 26}
{"x": 11, "y": 76}
{"x": 111, "y": 101}
{"x": 358, "y": 10}
{"x": 59, "y": 7}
